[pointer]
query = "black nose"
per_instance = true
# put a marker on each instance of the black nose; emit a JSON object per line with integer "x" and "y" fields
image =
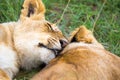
{"x": 63, "y": 43}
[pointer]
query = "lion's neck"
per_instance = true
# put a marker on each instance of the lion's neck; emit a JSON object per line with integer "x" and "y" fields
{"x": 75, "y": 45}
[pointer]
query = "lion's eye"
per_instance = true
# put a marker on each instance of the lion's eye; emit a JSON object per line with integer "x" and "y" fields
{"x": 50, "y": 27}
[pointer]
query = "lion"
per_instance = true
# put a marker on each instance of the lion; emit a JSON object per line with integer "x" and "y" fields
{"x": 28, "y": 42}
{"x": 83, "y": 59}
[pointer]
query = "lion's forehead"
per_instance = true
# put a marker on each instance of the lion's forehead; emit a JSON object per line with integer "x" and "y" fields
{"x": 40, "y": 26}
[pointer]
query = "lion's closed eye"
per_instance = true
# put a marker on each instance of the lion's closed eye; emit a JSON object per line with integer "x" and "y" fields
{"x": 49, "y": 26}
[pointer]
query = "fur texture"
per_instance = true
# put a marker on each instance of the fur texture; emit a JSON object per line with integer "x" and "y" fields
{"x": 29, "y": 41}
{"x": 83, "y": 59}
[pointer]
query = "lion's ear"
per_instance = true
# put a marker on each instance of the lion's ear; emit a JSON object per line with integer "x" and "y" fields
{"x": 81, "y": 34}
{"x": 33, "y": 9}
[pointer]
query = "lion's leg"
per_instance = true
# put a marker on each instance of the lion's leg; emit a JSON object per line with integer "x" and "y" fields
{"x": 8, "y": 61}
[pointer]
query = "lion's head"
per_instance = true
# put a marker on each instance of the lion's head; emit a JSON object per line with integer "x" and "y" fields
{"x": 82, "y": 34}
{"x": 36, "y": 39}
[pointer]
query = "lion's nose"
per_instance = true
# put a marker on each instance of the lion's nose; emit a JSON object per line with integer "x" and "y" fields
{"x": 63, "y": 43}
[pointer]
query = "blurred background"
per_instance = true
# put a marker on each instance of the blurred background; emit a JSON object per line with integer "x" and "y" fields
{"x": 102, "y": 16}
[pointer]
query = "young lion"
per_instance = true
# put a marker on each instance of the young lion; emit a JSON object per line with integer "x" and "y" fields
{"x": 83, "y": 59}
{"x": 28, "y": 42}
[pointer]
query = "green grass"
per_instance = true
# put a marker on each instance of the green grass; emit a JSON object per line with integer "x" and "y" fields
{"x": 79, "y": 12}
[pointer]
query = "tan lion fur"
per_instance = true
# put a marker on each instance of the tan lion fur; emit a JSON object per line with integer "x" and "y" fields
{"x": 3, "y": 75}
{"x": 29, "y": 41}
{"x": 83, "y": 59}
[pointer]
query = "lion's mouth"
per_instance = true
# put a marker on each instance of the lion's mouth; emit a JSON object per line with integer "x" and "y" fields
{"x": 55, "y": 51}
